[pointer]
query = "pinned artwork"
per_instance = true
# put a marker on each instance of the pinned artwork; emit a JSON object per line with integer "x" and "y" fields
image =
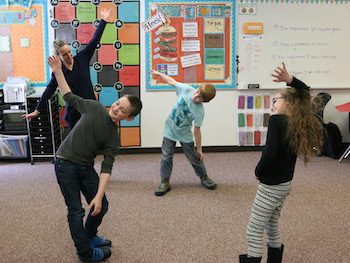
{"x": 196, "y": 39}
{"x": 24, "y": 36}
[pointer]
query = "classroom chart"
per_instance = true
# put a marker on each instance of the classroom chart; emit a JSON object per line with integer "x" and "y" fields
{"x": 115, "y": 66}
{"x": 311, "y": 37}
{"x": 194, "y": 44}
{"x": 23, "y": 41}
{"x": 253, "y": 109}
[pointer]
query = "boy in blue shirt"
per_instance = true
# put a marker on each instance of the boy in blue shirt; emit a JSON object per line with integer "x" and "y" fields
{"x": 96, "y": 130}
{"x": 178, "y": 127}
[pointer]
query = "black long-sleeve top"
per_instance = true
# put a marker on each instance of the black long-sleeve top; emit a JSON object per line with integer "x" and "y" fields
{"x": 78, "y": 78}
{"x": 277, "y": 162}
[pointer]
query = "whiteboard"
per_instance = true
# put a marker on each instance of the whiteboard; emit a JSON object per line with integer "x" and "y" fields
{"x": 313, "y": 39}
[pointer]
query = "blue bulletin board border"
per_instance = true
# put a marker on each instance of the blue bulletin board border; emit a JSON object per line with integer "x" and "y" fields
{"x": 46, "y": 44}
{"x": 28, "y": 5}
{"x": 229, "y": 83}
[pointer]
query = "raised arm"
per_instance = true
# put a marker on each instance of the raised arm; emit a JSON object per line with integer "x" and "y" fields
{"x": 56, "y": 66}
{"x": 166, "y": 78}
{"x": 91, "y": 46}
{"x": 105, "y": 13}
{"x": 282, "y": 75}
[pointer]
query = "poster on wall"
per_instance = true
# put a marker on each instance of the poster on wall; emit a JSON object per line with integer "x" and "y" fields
{"x": 253, "y": 111}
{"x": 115, "y": 65}
{"x": 23, "y": 41}
{"x": 191, "y": 41}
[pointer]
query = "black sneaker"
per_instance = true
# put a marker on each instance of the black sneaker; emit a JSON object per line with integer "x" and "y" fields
{"x": 96, "y": 254}
{"x": 208, "y": 183}
{"x": 163, "y": 188}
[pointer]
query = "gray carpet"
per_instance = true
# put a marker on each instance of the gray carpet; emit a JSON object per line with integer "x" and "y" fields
{"x": 189, "y": 224}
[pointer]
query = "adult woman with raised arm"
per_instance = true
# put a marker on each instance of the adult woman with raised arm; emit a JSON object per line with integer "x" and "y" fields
{"x": 76, "y": 70}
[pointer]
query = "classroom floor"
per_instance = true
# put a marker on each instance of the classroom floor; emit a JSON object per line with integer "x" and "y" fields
{"x": 190, "y": 224}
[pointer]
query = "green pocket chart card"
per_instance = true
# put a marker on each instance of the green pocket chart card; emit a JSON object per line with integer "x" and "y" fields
{"x": 115, "y": 64}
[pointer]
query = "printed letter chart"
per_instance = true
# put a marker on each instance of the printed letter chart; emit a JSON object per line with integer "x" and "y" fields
{"x": 194, "y": 44}
{"x": 115, "y": 65}
{"x": 253, "y": 118}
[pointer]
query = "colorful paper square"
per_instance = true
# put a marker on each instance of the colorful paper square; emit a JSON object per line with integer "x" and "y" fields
{"x": 129, "y": 55}
{"x": 129, "y": 12}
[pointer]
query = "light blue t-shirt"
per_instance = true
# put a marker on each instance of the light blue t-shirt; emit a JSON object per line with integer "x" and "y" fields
{"x": 178, "y": 125}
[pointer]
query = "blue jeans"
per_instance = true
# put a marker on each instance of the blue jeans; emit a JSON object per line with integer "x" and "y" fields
{"x": 168, "y": 150}
{"x": 73, "y": 179}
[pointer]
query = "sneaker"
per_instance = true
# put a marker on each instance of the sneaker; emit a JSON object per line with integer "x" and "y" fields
{"x": 163, "y": 188}
{"x": 96, "y": 254}
{"x": 98, "y": 241}
{"x": 208, "y": 183}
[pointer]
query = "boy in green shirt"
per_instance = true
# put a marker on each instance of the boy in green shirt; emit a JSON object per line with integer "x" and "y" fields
{"x": 96, "y": 130}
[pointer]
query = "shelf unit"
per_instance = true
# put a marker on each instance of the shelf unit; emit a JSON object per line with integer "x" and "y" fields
{"x": 45, "y": 130}
{"x": 14, "y": 145}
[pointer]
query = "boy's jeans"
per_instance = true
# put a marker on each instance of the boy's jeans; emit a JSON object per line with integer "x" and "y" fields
{"x": 72, "y": 179}
{"x": 168, "y": 150}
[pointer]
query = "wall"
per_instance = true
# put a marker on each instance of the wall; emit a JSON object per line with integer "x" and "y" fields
{"x": 220, "y": 122}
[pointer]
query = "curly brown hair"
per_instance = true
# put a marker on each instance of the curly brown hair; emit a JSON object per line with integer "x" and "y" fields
{"x": 304, "y": 131}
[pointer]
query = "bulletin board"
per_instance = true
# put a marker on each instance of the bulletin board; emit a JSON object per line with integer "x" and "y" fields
{"x": 23, "y": 41}
{"x": 194, "y": 45}
{"x": 311, "y": 37}
{"x": 115, "y": 65}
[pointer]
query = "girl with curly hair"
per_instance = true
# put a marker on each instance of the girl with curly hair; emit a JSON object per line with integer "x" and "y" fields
{"x": 293, "y": 131}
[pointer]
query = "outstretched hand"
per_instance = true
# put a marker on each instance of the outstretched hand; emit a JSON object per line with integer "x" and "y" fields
{"x": 105, "y": 13}
{"x": 29, "y": 116}
{"x": 282, "y": 75}
{"x": 154, "y": 72}
{"x": 55, "y": 63}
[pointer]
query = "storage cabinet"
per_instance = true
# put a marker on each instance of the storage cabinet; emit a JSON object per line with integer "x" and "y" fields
{"x": 44, "y": 130}
{"x": 13, "y": 130}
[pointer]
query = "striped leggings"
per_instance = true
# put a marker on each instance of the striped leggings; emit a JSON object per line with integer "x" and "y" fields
{"x": 265, "y": 214}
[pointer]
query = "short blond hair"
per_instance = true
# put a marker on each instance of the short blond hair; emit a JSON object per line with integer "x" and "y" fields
{"x": 207, "y": 92}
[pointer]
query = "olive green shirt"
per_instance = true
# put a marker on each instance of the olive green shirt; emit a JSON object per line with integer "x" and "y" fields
{"x": 93, "y": 133}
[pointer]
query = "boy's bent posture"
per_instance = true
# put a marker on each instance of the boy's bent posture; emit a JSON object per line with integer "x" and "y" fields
{"x": 96, "y": 130}
{"x": 188, "y": 108}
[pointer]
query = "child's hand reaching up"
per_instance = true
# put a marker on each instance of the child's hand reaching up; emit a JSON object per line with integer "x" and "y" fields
{"x": 55, "y": 63}
{"x": 282, "y": 75}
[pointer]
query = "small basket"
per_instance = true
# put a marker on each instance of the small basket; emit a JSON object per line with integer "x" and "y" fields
{"x": 14, "y": 126}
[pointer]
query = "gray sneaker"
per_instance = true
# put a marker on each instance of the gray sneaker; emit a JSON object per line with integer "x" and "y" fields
{"x": 208, "y": 183}
{"x": 163, "y": 188}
